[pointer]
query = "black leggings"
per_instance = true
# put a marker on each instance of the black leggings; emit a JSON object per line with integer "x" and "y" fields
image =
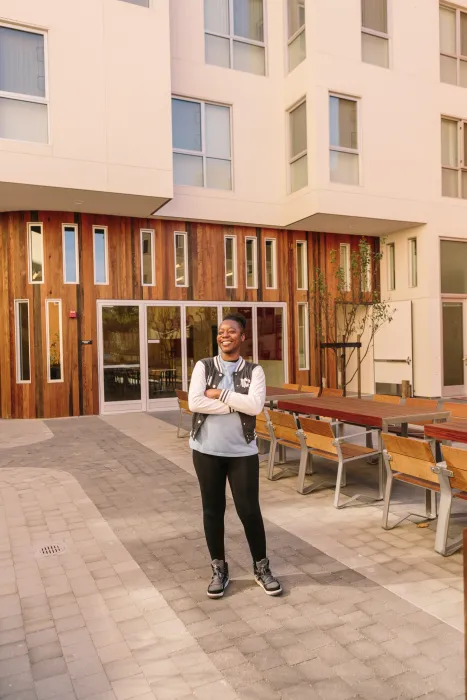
{"x": 243, "y": 476}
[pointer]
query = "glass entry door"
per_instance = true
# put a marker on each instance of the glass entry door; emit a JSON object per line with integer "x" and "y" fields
{"x": 121, "y": 386}
{"x": 454, "y": 347}
{"x": 165, "y": 342}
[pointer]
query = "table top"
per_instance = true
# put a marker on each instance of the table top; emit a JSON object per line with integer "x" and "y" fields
{"x": 373, "y": 414}
{"x": 276, "y": 393}
{"x": 454, "y": 430}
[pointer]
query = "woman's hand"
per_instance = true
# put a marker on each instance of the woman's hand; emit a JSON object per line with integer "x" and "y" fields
{"x": 212, "y": 393}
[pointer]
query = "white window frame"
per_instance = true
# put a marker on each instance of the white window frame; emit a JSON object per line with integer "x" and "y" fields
{"x": 346, "y": 266}
{"x": 255, "y": 262}
{"x": 458, "y": 56}
{"x": 185, "y": 258}
{"x": 75, "y": 227}
{"x": 343, "y": 149}
{"x": 301, "y": 248}
{"x": 106, "y": 247}
{"x": 391, "y": 251}
{"x": 302, "y": 154}
{"x": 153, "y": 257}
{"x": 413, "y": 269}
{"x": 47, "y": 340}
{"x": 274, "y": 263}
{"x": 295, "y": 36}
{"x": 306, "y": 332}
{"x": 381, "y": 35}
{"x": 240, "y": 39}
{"x": 234, "y": 283}
{"x": 202, "y": 153}
{"x": 20, "y": 97}
{"x": 17, "y": 302}
{"x": 30, "y": 224}
{"x": 461, "y": 165}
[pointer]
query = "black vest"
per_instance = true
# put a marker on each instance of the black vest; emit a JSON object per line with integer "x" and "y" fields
{"x": 213, "y": 377}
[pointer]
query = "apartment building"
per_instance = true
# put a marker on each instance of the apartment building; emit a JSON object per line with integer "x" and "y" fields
{"x": 161, "y": 162}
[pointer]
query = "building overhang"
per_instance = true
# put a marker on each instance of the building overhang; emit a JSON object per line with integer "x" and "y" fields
{"x": 358, "y": 225}
{"x": 23, "y": 197}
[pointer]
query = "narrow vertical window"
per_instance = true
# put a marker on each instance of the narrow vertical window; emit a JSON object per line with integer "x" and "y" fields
{"x": 453, "y": 45}
{"x": 302, "y": 265}
{"x": 100, "y": 255}
{"x": 344, "y": 264}
{"x": 53, "y": 319}
{"x": 303, "y": 337}
{"x": 298, "y": 158}
{"x": 181, "y": 259}
{"x": 251, "y": 261}
{"x": 271, "y": 263}
{"x": 391, "y": 266}
{"x": 413, "y": 268}
{"x": 296, "y": 32}
{"x": 375, "y": 38}
{"x": 70, "y": 254}
{"x": 36, "y": 253}
{"x": 147, "y": 257}
{"x": 343, "y": 143}
{"x": 230, "y": 261}
{"x": 23, "y": 346}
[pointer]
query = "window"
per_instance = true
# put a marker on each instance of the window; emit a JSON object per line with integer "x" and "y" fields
{"x": 298, "y": 159}
{"x": 234, "y": 35}
{"x": 366, "y": 277}
{"x": 23, "y": 98}
{"x": 413, "y": 270}
{"x": 201, "y": 144}
{"x": 271, "y": 263}
{"x": 36, "y": 253}
{"x": 230, "y": 260}
{"x": 453, "y": 158}
{"x": 391, "y": 249}
{"x": 343, "y": 133}
{"x": 453, "y": 267}
{"x": 296, "y": 32}
{"x": 53, "y": 320}
{"x": 453, "y": 46}
{"x": 147, "y": 257}
{"x": 100, "y": 255}
{"x": 302, "y": 265}
{"x": 344, "y": 264}
{"x": 70, "y": 254}
{"x": 22, "y": 344}
{"x": 303, "y": 337}
{"x": 251, "y": 260}
{"x": 375, "y": 39}
{"x": 181, "y": 259}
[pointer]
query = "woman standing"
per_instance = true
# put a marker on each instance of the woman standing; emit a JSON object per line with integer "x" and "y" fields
{"x": 226, "y": 394}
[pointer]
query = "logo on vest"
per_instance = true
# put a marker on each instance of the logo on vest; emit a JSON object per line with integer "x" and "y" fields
{"x": 245, "y": 382}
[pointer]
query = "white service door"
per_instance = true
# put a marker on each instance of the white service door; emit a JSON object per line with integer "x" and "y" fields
{"x": 393, "y": 350}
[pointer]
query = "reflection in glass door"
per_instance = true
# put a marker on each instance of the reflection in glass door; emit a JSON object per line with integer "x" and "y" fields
{"x": 270, "y": 322}
{"x": 164, "y": 351}
{"x": 454, "y": 348}
{"x": 201, "y": 334}
{"x": 121, "y": 354}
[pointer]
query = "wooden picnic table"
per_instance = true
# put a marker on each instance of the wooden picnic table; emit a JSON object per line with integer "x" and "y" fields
{"x": 371, "y": 414}
{"x": 276, "y": 393}
{"x": 453, "y": 430}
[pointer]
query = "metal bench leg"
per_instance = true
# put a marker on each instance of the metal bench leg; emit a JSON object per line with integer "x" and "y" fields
{"x": 340, "y": 472}
{"x": 272, "y": 457}
{"x": 387, "y": 501}
{"x": 443, "y": 545}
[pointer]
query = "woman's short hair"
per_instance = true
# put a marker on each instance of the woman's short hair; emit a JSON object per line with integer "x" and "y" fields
{"x": 238, "y": 318}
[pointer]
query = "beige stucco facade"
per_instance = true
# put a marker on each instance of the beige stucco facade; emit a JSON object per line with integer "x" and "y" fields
{"x": 112, "y": 68}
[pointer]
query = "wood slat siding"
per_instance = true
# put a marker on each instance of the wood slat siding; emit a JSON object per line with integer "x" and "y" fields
{"x": 78, "y": 393}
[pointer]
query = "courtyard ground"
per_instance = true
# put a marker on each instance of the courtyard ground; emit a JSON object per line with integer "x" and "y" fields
{"x": 120, "y": 612}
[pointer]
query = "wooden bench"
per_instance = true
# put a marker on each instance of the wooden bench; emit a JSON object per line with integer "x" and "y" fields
{"x": 310, "y": 389}
{"x": 182, "y": 397}
{"x": 387, "y": 398}
{"x": 452, "y": 474}
{"x": 317, "y": 439}
{"x": 458, "y": 410}
{"x": 292, "y": 387}
{"x": 284, "y": 433}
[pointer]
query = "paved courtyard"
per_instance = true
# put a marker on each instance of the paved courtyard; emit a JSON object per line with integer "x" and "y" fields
{"x": 120, "y": 612}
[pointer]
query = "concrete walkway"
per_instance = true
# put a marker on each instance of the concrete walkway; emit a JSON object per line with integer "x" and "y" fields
{"x": 120, "y": 611}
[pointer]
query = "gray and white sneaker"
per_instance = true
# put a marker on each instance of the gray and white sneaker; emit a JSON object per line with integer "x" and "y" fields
{"x": 265, "y": 579}
{"x": 220, "y": 579}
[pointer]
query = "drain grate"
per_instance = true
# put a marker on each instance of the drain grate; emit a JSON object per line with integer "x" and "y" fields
{"x": 50, "y": 550}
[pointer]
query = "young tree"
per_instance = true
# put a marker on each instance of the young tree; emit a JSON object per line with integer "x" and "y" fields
{"x": 347, "y": 304}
